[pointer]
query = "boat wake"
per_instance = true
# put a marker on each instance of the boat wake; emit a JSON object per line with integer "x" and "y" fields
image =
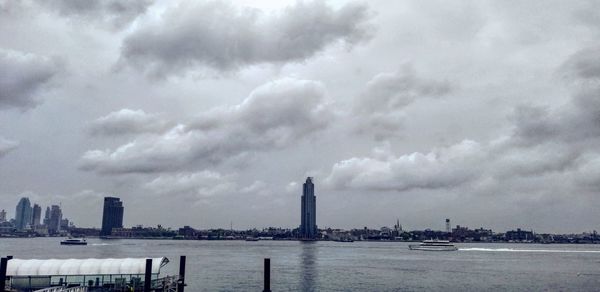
{"x": 528, "y": 250}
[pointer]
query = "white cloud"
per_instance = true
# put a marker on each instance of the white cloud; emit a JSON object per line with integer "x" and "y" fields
{"x": 292, "y": 187}
{"x": 273, "y": 116}
{"x": 127, "y": 121}
{"x": 561, "y": 142}
{"x": 7, "y": 146}
{"x": 255, "y": 187}
{"x": 441, "y": 168}
{"x": 198, "y": 184}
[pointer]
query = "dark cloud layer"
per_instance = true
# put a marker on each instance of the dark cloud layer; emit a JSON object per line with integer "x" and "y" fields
{"x": 218, "y": 35}
{"x": 115, "y": 13}
{"x": 22, "y": 75}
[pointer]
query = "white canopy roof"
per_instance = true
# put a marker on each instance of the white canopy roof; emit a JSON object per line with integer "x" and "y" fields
{"x": 72, "y": 267}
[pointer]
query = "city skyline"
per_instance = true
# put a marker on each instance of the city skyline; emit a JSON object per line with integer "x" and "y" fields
{"x": 483, "y": 112}
{"x": 113, "y": 211}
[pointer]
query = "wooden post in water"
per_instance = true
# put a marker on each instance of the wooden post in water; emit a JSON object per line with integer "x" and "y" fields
{"x": 148, "y": 275}
{"x": 267, "y": 275}
{"x": 3, "y": 265}
{"x": 181, "y": 281}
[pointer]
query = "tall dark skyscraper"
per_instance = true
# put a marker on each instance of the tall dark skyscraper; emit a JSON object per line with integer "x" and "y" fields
{"x": 54, "y": 220}
{"x": 308, "y": 225}
{"x": 46, "y": 220}
{"x": 112, "y": 216}
{"x": 23, "y": 214}
{"x": 37, "y": 215}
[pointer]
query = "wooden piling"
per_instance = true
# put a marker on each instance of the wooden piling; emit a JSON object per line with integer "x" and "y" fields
{"x": 3, "y": 266}
{"x": 181, "y": 281}
{"x": 267, "y": 275}
{"x": 148, "y": 275}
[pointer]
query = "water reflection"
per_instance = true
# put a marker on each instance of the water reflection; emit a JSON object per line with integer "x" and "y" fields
{"x": 308, "y": 270}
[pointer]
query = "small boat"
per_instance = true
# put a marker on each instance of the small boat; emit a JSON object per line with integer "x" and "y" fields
{"x": 434, "y": 245}
{"x": 74, "y": 241}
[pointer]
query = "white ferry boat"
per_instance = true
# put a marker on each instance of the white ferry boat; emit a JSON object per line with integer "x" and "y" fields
{"x": 434, "y": 245}
{"x": 74, "y": 241}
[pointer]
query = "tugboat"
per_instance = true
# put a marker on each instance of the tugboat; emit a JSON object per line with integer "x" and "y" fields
{"x": 74, "y": 241}
{"x": 433, "y": 245}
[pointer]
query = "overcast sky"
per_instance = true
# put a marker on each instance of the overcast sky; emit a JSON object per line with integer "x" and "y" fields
{"x": 203, "y": 113}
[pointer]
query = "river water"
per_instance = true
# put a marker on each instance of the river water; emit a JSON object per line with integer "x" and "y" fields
{"x": 337, "y": 266}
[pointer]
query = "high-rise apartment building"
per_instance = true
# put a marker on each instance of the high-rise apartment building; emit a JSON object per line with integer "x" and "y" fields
{"x": 308, "y": 224}
{"x": 36, "y": 216}
{"x": 112, "y": 215}
{"x": 23, "y": 214}
{"x": 2, "y": 216}
{"x": 46, "y": 217}
{"x": 54, "y": 220}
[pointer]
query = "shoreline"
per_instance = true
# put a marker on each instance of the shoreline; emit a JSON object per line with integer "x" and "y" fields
{"x": 299, "y": 240}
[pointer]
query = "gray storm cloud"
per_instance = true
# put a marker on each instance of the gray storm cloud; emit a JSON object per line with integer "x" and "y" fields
{"x": 218, "y": 35}
{"x": 561, "y": 141}
{"x": 113, "y": 12}
{"x": 273, "y": 116}
{"x": 22, "y": 76}
{"x": 379, "y": 108}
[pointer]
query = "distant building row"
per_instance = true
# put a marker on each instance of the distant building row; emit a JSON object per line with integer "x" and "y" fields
{"x": 28, "y": 218}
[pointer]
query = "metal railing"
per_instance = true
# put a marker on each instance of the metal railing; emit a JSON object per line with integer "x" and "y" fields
{"x": 63, "y": 289}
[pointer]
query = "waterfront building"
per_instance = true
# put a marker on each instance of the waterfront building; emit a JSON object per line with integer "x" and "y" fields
{"x": 23, "y": 214}
{"x": 2, "y": 216}
{"x": 54, "y": 220}
{"x": 7, "y": 228}
{"x": 41, "y": 230}
{"x": 519, "y": 235}
{"x": 64, "y": 224}
{"x": 36, "y": 216}
{"x": 112, "y": 215}
{"x": 308, "y": 224}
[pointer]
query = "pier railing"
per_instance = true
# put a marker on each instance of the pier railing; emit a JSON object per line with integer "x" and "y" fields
{"x": 63, "y": 289}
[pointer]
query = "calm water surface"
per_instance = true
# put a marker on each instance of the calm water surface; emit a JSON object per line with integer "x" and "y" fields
{"x": 357, "y": 266}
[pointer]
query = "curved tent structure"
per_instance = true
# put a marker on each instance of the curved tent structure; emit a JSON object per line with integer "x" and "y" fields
{"x": 82, "y": 267}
